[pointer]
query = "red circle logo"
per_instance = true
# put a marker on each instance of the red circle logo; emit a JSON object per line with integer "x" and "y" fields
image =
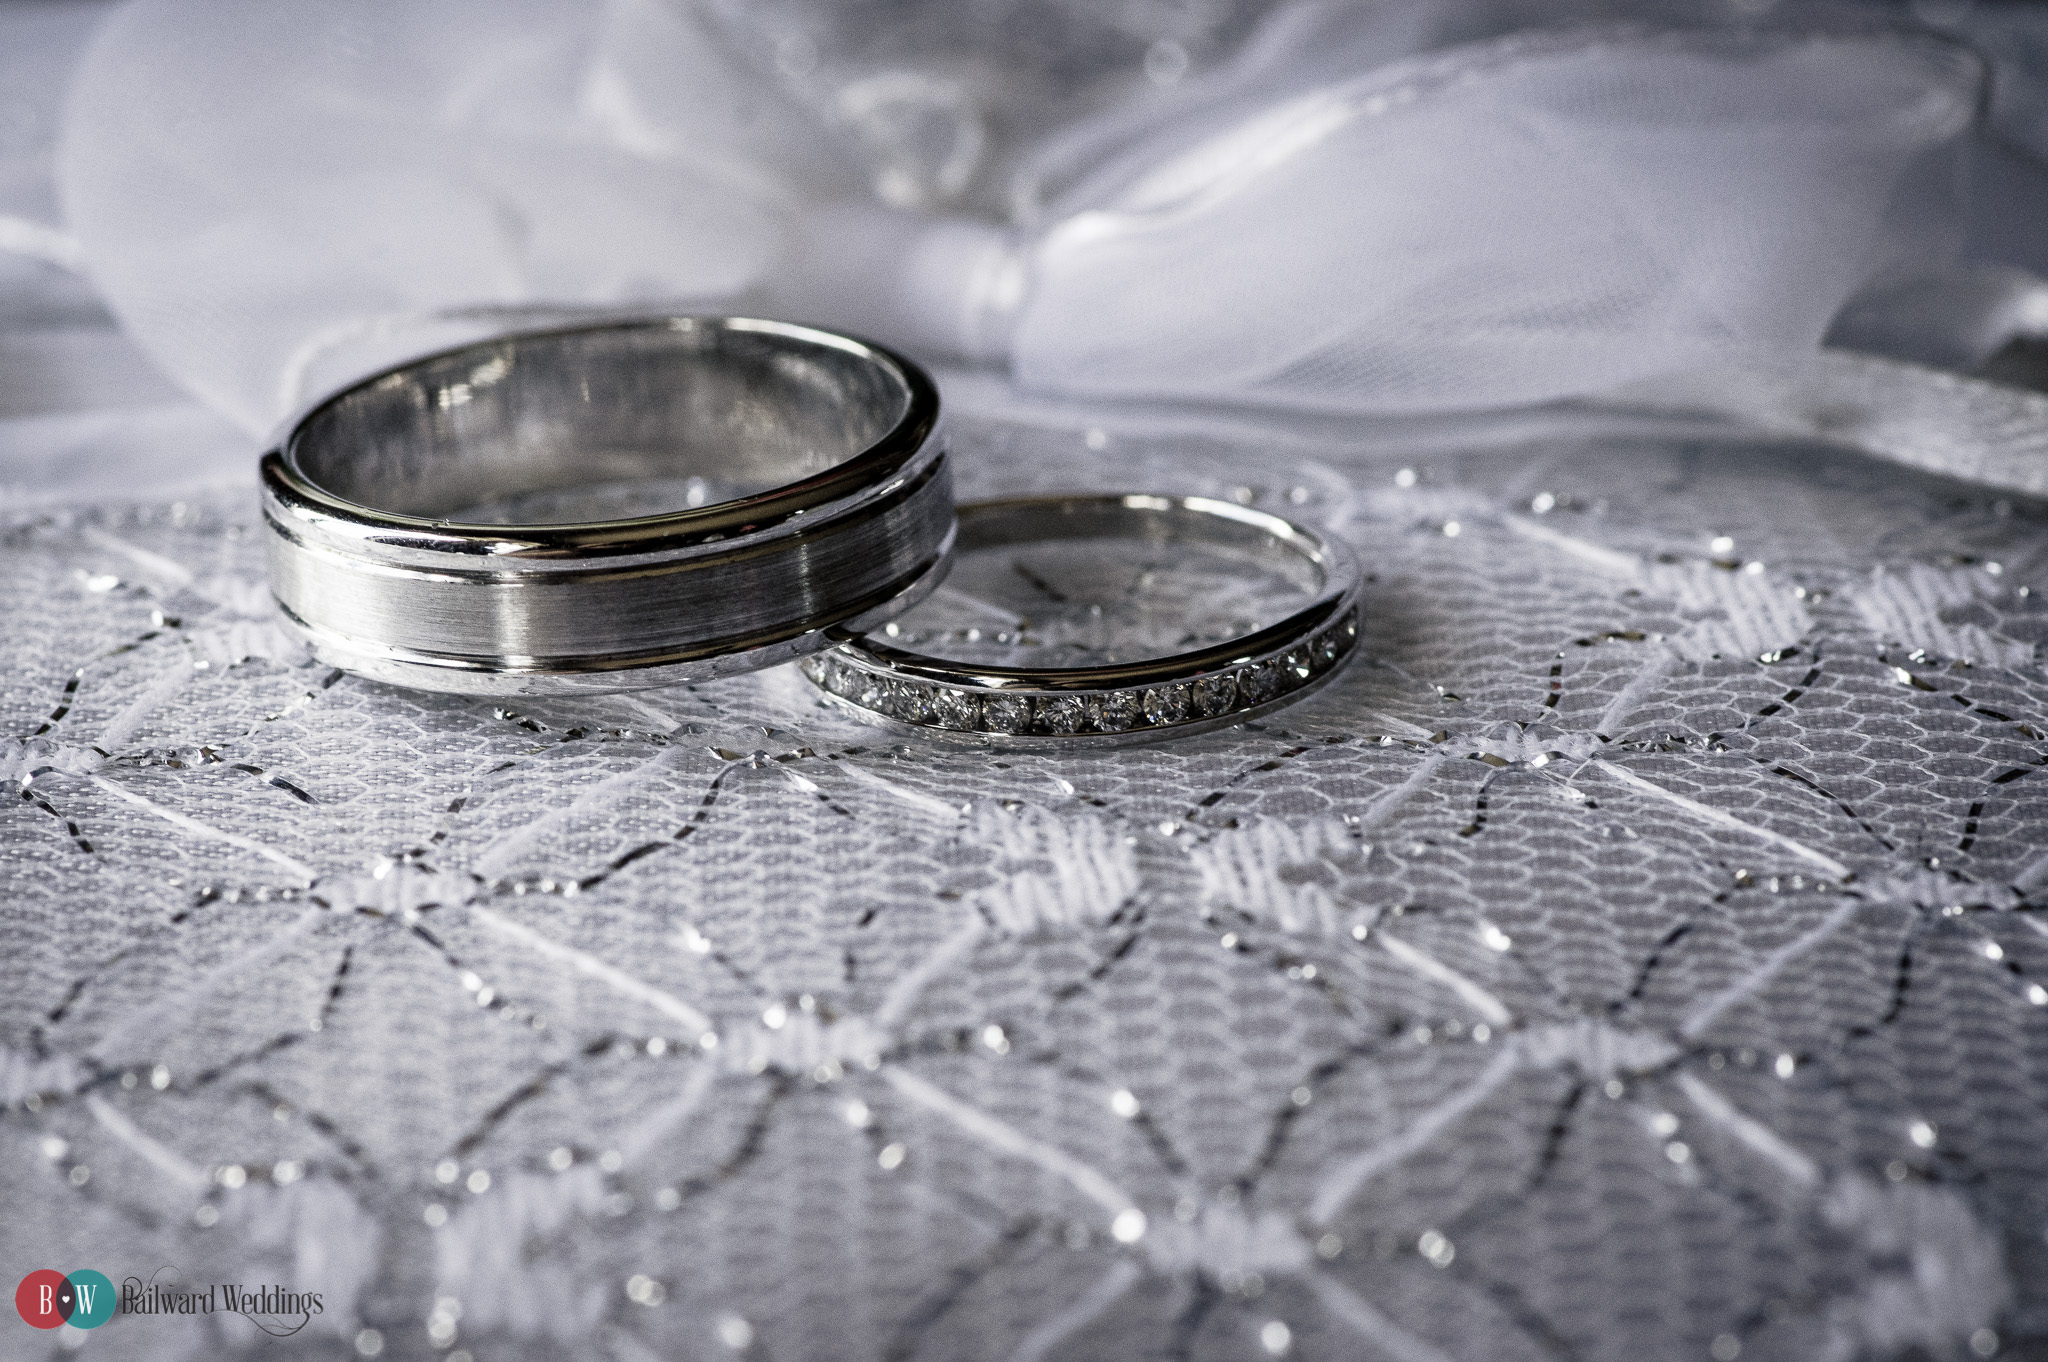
{"x": 44, "y": 1298}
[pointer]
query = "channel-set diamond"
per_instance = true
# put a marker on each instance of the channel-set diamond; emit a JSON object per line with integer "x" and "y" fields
{"x": 1295, "y": 670}
{"x": 866, "y": 689}
{"x": 1166, "y": 705}
{"x": 913, "y": 702}
{"x": 1215, "y": 695}
{"x": 956, "y": 709}
{"x": 1112, "y": 712}
{"x": 1006, "y": 713}
{"x": 1329, "y": 646}
{"x": 1259, "y": 682}
{"x": 1061, "y": 713}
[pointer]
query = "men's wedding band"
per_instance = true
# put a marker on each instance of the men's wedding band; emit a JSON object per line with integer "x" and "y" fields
{"x": 833, "y": 509}
{"x": 1024, "y": 708}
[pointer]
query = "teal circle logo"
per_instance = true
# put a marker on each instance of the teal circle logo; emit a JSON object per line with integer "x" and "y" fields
{"x": 92, "y": 1299}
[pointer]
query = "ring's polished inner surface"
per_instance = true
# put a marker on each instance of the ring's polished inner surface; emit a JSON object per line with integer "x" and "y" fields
{"x": 1136, "y": 690}
{"x": 611, "y": 506}
{"x": 650, "y": 407}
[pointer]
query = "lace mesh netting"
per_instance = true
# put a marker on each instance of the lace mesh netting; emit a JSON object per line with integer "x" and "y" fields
{"x": 1635, "y": 953}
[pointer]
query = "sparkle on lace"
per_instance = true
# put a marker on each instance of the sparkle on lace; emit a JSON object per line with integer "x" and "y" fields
{"x": 1611, "y": 856}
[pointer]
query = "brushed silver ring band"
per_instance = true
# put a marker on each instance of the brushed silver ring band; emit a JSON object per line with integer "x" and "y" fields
{"x": 1020, "y": 708}
{"x": 838, "y": 509}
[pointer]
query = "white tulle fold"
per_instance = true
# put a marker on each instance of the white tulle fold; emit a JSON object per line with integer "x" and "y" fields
{"x": 272, "y": 196}
{"x": 275, "y": 198}
{"x": 1508, "y": 224}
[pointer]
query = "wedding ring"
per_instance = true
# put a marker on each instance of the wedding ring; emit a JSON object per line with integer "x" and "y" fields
{"x": 720, "y": 493}
{"x": 1022, "y": 708}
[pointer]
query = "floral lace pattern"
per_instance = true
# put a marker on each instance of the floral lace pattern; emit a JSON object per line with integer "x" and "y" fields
{"x": 1635, "y": 950}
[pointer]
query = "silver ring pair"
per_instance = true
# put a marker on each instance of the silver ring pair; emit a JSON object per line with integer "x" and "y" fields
{"x": 499, "y": 520}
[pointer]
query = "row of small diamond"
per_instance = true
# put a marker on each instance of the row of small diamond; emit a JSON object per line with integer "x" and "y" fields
{"x": 1117, "y": 711}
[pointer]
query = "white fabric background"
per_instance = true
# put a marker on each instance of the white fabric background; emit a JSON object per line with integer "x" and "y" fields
{"x": 1636, "y": 953}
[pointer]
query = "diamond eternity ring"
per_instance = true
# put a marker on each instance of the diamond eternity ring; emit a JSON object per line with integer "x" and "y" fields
{"x": 1020, "y": 708}
{"x": 609, "y": 507}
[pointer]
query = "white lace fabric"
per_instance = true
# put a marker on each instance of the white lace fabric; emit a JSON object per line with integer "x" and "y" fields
{"x": 1635, "y": 948}
{"x": 1636, "y": 951}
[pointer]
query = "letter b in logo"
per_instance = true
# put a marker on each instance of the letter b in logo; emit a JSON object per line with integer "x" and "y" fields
{"x": 47, "y": 1299}
{"x": 44, "y": 1298}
